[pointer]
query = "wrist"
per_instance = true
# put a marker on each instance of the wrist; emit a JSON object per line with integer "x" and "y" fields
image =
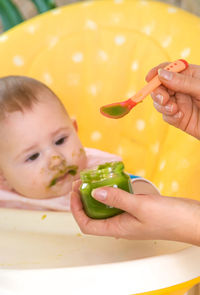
{"x": 197, "y": 226}
{"x": 190, "y": 232}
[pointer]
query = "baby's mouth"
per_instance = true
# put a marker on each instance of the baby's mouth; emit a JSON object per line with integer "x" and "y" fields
{"x": 62, "y": 174}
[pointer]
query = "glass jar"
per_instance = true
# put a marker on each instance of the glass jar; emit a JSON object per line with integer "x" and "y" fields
{"x": 108, "y": 174}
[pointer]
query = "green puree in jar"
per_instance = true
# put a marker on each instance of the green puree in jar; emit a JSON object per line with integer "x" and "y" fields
{"x": 108, "y": 174}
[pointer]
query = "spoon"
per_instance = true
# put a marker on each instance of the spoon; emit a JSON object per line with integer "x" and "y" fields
{"x": 120, "y": 109}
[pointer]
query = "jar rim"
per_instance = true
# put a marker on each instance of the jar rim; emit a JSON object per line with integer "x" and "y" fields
{"x": 102, "y": 171}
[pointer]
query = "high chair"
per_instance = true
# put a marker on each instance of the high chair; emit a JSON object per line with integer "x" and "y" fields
{"x": 94, "y": 53}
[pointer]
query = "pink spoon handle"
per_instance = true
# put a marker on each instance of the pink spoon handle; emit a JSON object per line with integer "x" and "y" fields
{"x": 176, "y": 66}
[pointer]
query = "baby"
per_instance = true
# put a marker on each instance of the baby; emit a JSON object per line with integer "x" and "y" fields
{"x": 40, "y": 152}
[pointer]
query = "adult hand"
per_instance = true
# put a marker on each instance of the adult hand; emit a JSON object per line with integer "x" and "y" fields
{"x": 178, "y": 98}
{"x": 145, "y": 216}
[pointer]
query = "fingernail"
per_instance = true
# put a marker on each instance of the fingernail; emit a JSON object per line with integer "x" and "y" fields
{"x": 178, "y": 115}
{"x": 99, "y": 194}
{"x": 160, "y": 98}
{"x": 169, "y": 108}
{"x": 156, "y": 105}
{"x": 167, "y": 75}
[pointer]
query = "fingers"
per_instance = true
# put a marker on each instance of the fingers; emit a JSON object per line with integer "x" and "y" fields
{"x": 104, "y": 227}
{"x": 185, "y": 82}
{"x": 170, "y": 112}
{"x": 169, "y": 109}
{"x": 160, "y": 95}
{"x": 165, "y": 103}
{"x": 173, "y": 120}
{"x": 77, "y": 210}
{"x": 180, "y": 82}
{"x": 116, "y": 198}
{"x": 75, "y": 185}
{"x": 153, "y": 72}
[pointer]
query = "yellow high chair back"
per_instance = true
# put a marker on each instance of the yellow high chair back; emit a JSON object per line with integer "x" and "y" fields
{"x": 95, "y": 53}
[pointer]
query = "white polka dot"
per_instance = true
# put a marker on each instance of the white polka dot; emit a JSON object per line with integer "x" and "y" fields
{"x": 185, "y": 163}
{"x": 172, "y": 9}
{"x": 162, "y": 165}
{"x": 73, "y": 79}
{"x": 103, "y": 55}
{"x": 185, "y": 52}
{"x": 120, "y": 150}
{"x": 161, "y": 186}
{"x": 53, "y": 41}
{"x": 47, "y": 78}
{"x": 96, "y": 135}
{"x": 118, "y": 1}
{"x": 155, "y": 147}
{"x": 141, "y": 173}
{"x": 130, "y": 93}
{"x": 87, "y": 3}
{"x": 77, "y": 57}
{"x": 167, "y": 41}
{"x": 143, "y": 2}
{"x": 175, "y": 186}
{"x": 147, "y": 29}
{"x": 135, "y": 65}
{"x": 18, "y": 61}
{"x": 120, "y": 40}
{"x": 93, "y": 89}
{"x": 56, "y": 11}
{"x": 3, "y": 38}
{"x": 140, "y": 124}
{"x": 90, "y": 24}
{"x": 115, "y": 18}
{"x": 31, "y": 29}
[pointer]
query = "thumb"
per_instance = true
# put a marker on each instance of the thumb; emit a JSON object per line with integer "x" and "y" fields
{"x": 115, "y": 197}
{"x": 179, "y": 82}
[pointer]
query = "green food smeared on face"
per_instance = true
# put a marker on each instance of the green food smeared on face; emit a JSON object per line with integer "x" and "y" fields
{"x": 82, "y": 150}
{"x": 68, "y": 169}
{"x": 117, "y": 110}
{"x": 72, "y": 169}
{"x": 53, "y": 182}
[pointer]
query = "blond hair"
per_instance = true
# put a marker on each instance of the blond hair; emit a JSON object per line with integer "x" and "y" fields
{"x": 20, "y": 93}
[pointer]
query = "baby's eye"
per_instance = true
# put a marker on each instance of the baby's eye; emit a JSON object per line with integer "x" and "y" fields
{"x": 61, "y": 140}
{"x": 33, "y": 157}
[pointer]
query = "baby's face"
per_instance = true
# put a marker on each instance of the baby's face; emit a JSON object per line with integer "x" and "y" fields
{"x": 40, "y": 152}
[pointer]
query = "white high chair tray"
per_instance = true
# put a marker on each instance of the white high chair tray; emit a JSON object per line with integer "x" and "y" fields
{"x": 46, "y": 251}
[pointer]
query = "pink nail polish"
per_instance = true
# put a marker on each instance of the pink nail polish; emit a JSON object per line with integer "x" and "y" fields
{"x": 169, "y": 108}
{"x": 99, "y": 194}
{"x": 156, "y": 105}
{"x": 160, "y": 98}
{"x": 167, "y": 75}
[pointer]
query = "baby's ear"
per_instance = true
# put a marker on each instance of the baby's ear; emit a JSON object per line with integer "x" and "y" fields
{"x": 4, "y": 183}
{"x": 74, "y": 122}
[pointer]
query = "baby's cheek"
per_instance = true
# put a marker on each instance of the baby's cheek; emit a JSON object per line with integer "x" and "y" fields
{"x": 82, "y": 158}
{"x": 79, "y": 158}
{"x": 39, "y": 188}
{"x": 42, "y": 171}
{"x": 38, "y": 180}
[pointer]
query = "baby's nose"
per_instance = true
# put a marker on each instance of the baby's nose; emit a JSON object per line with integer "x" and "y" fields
{"x": 56, "y": 162}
